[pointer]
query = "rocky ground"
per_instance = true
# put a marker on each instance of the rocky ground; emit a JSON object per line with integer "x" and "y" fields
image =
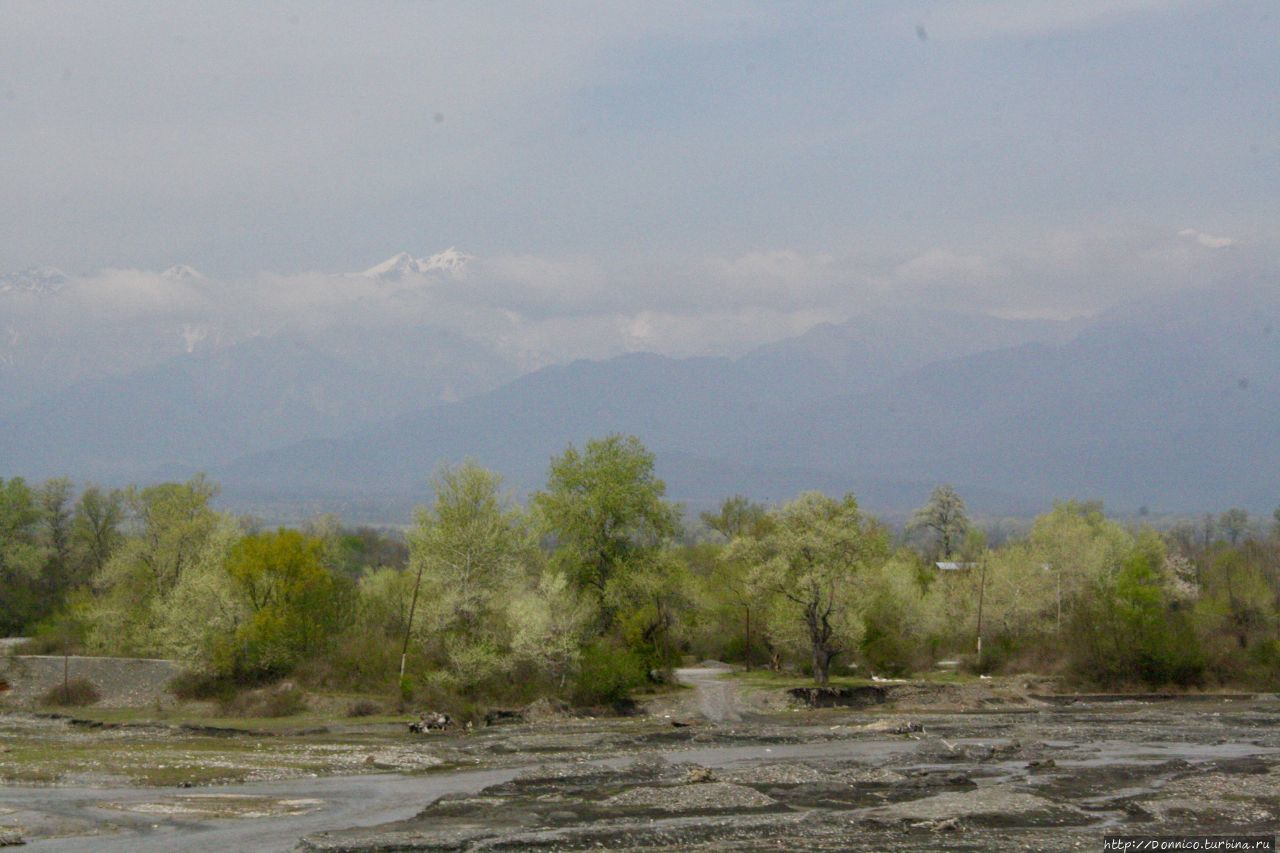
{"x": 718, "y": 766}
{"x": 1050, "y": 779}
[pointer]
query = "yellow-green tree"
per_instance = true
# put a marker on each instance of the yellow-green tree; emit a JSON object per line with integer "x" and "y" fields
{"x": 293, "y": 603}
{"x": 811, "y": 558}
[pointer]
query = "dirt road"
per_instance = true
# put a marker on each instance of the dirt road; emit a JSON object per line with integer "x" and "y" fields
{"x": 717, "y": 697}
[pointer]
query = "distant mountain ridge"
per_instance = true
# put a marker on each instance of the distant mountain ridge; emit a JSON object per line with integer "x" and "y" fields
{"x": 1173, "y": 405}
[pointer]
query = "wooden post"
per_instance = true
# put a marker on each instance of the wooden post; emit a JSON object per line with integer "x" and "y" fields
{"x": 982, "y": 588}
{"x": 408, "y": 628}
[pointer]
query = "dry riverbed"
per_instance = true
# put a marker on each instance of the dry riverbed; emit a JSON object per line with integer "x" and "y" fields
{"x": 716, "y": 766}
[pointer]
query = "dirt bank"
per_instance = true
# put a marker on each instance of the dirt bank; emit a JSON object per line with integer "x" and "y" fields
{"x": 122, "y": 682}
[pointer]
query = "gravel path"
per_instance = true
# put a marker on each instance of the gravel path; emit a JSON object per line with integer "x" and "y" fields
{"x": 717, "y": 697}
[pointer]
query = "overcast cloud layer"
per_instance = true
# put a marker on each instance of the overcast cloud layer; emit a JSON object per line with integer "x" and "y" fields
{"x": 629, "y": 176}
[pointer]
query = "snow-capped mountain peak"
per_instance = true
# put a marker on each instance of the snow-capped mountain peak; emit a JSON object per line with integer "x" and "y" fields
{"x": 182, "y": 272}
{"x": 449, "y": 261}
{"x": 37, "y": 280}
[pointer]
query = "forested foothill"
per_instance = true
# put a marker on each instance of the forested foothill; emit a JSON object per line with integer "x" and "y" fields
{"x": 599, "y": 585}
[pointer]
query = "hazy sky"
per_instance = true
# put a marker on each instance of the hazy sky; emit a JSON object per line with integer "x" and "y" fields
{"x": 683, "y": 171}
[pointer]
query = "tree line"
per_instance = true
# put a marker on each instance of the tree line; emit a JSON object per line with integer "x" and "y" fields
{"x": 598, "y": 585}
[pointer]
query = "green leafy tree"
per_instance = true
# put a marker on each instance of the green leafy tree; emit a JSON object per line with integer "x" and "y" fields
{"x": 22, "y": 556}
{"x": 1237, "y": 606}
{"x": 604, "y": 508}
{"x": 1126, "y": 629}
{"x": 736, "y": 516}
{"x": 737, "y": 590}
{"x": 59, "y": 574}
{"x": 199, "y": 617}
{"x": 1076, "y": 544}
{"x": 811, "y": 558}
{"x": 95, "y": 528}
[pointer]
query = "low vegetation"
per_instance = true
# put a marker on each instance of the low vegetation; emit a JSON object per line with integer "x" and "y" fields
{"x": 597, "y": 587}
{"x": 74, "y": 693}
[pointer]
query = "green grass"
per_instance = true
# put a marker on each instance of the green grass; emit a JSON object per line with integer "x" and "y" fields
{"x": 132, "y": 751}
{"x": 188, "y": 715}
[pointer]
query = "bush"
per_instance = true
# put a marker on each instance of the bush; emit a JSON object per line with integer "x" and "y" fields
{"x": 1128, "y": 632}
{"x": 76, "y": 693}
{"x": 195, "y": 684}
{"x": 283, "y": 700}
{"x": 888, "y": 650}
{"x": 357, "y": 660}
{"x": 607, "y": 675}
{"x": 364, "y": 708}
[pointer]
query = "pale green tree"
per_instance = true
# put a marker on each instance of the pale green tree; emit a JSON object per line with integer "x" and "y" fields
{"x": 205, "y": 608}
{"x": 897, "y": 628}
{"x": 811, "y": 557}
{"x": 944, "y": 517}
{"x": 550, "y": 622}
{"x": 169, "y": 525}
{"x": 471, "y": 550}
{"x": 59, "y": 573}
{"x": 1077, "y": 544}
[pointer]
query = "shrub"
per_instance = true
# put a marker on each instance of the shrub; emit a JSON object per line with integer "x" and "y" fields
{"x": 607, "y": 674}
{"x": 364, "y": 708}
{"x": 195, "y": 684}
{"x": 283, "y": 700}
{"x": 1129, "y": 632}
{"x": 75, "y": 693}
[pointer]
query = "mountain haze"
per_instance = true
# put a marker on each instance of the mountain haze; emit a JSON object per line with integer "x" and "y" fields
{"x": 1173, "y": 406}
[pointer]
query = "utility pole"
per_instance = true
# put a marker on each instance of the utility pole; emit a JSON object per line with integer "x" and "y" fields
{"x": 982, "y": 588}
{"x": 408, "y": 628}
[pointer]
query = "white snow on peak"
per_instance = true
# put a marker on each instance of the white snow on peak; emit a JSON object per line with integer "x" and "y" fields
{"x": 182, "y": 272}
{"x": 449, "y": 261}
{"x": 37, "y": 280}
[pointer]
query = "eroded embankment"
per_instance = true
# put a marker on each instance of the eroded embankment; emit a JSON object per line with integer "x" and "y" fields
{"x": 121, "y": 682}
